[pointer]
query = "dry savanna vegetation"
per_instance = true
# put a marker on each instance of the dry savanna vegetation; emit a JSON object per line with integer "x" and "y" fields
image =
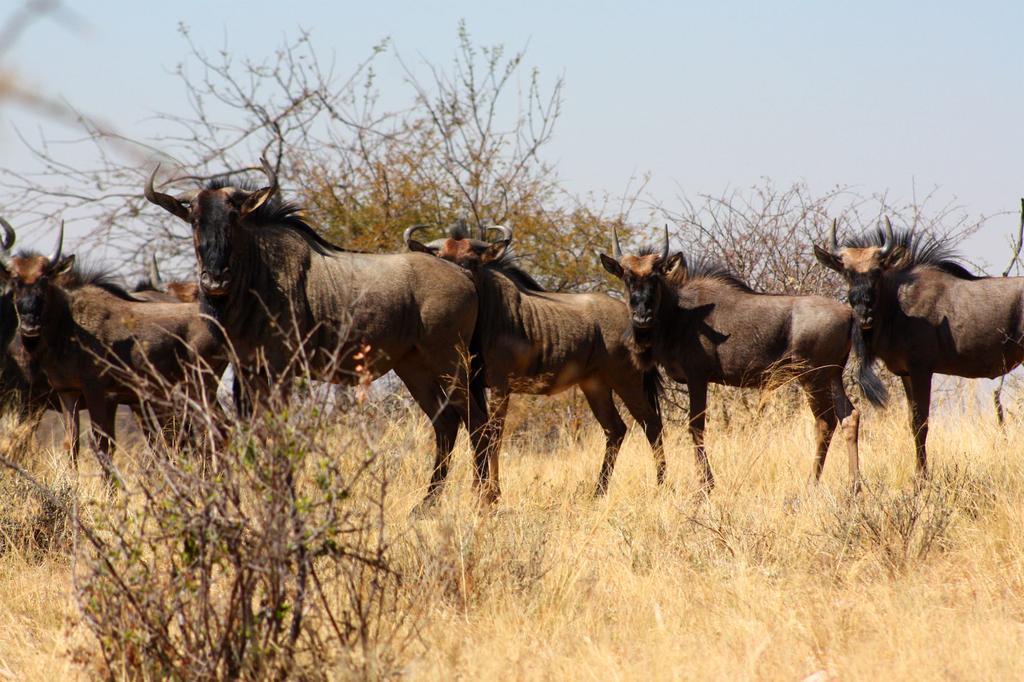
{"x": 767, "y": 578}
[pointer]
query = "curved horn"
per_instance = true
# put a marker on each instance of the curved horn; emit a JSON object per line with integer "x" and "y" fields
{"x": 664, "y": 251}
{"x": 154, "y": 272}
{"x": 616, "y": 249}
{"x": 8, "y": 239}
{"x": 833, "y": 241}
{"x": 55, "y": 258}
{"x": 410, "y": 231}
{"x": 506, "y": 232}
{"x": 164, "y": 201}
{"x": 271, "y": 175}
{"x": 890, "y": 239}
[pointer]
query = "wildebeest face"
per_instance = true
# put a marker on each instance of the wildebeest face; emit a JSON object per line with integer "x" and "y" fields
{"x": 460, "y": 248}
{"x": 643, "y": 277}
{"x": 471, "y": 254}
{"x": 215, "y": 215}
{"x": 863, "y": 269}
{"x": 33, "y": 281}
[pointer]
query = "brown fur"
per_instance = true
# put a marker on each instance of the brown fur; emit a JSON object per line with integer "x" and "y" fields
{"x": 922, "y": 313}
{"x": 703, "y": 326}
{"x": 95, "y": 342}
{"x": 541, "y": 343}
{"x": 269, "y": 279}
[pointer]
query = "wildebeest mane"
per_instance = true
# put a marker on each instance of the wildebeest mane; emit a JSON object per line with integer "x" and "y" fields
{"x": 278, "y": 212}
{"x": 705, "y": 266}
{"x": 921, "y": 249}
{"x": 508, "y": 265}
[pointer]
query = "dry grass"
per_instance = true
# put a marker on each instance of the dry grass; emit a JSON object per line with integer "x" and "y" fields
{"x": 766, "y": 580}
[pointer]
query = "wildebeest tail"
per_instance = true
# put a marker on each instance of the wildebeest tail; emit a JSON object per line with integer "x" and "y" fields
{"x": 871, "y": 385}
{"x": 654, "y": 386}
{"x": 477, "y": 370}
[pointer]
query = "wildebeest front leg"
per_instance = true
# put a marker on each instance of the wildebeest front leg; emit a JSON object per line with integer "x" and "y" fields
{"x": 599, "y": 398}
{"x": 849, "y": 419}
{"x": 640, "y": 407}
{"x": 69, "y": 404}
{"x": 698, "y": 413}
{"x": 918, "y": 387}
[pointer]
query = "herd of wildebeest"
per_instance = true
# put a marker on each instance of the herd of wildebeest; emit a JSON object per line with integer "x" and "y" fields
{"x": 456, "y": 316}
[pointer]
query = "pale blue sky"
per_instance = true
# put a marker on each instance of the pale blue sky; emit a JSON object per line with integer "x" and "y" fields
{"x": 701, "y": 95}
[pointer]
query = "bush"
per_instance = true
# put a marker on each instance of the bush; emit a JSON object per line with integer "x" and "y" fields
{"x": 265, "y": 558}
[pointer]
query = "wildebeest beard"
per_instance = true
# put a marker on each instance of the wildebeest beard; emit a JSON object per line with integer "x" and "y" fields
{"x": 640, "y": 341}
{"x": 870, "y": 383}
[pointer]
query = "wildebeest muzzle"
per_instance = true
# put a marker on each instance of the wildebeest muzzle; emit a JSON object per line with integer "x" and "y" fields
{"x": 215, "y": 285}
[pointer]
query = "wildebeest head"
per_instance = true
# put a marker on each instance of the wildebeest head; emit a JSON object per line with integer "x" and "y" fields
{"x": 862, "y": 267}
{"x": 461, "y": 249}
{"x": 215, "y": 214}
{"x": 33, "y": 279}
{"x": 644, "y": 277}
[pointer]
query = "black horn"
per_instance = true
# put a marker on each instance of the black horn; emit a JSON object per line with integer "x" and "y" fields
{"x": 410, "y": 231}
{"x": 616, "y": 249}
{"x": 889, "y": 239}
{"x": 164, "y": 201}
{"x": 271, "y": 175}
{"x": 8, "y": 240}
{"x": 154, "y": 272}
{"x": 506, "y": 232}
{"x": 55, "y": 258}
{"x": 833, "y": 241}
{"x": 664, "y": 251}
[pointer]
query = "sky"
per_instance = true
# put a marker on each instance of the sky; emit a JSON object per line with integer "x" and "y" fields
{"x": 897, "y": 96}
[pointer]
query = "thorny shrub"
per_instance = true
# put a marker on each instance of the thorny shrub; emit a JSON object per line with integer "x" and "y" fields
{"x": 265, "y": 557}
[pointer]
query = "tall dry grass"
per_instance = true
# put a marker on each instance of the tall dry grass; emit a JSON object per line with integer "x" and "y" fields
{"x": 767, "y": 579}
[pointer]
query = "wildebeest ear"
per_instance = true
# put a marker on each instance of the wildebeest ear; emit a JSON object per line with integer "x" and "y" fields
{"x": 494, "y": 252}
{"x": 674, "y": 267}
{"x": 63, "y": 266}
{"x": 420, "y": 247}
{"x": 611, "y": 265}
{"x": 255, "y": 200}
{"x": 828, "y": 259}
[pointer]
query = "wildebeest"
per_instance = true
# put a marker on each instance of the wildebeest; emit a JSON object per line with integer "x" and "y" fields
{"x": 704, "y": 325}
{"x": 152, "y": 287}
{"x": 289, "y": 300}
{"x": 540, "y": 343}
{"x": 91, "y": 338}
{"x": 923, "y": 313}
{"x": 23, "y": 388}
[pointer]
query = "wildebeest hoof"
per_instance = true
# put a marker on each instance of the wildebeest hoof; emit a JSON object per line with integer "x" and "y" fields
{"x": 424, "y": 509}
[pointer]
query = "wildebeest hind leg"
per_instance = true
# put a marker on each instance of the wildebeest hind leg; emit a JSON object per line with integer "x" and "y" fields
{"x": 599, "y": 398}
{"x": 444, "y": 419}
{"x": 918, "y": 387}
{"x": 698, "y": 414}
